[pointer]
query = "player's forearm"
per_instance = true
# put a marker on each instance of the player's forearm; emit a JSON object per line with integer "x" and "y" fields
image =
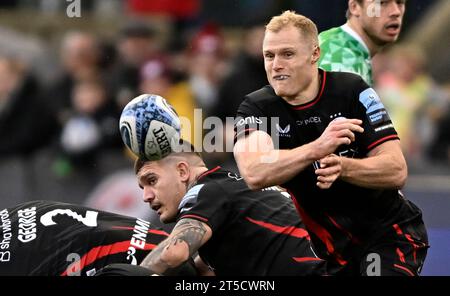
{"x": 382, "y": 171}
{"x": 162, "y": 260}
{"x": 186, "y": 238}
{"x": 274, "y": 167}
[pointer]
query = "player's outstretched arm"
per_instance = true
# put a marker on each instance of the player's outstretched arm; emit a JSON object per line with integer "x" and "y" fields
{"x": 262, "y": 165}
{"x": 186, "y": 238}
{"x": 385, "y": 167}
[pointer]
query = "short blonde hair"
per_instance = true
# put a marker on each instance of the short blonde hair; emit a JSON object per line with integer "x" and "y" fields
{"x": 305, "y": 26}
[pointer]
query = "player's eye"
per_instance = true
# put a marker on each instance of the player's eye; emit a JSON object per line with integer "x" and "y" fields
{"x": 268, "y": 56}
{"x": 288, "y": 54}
{"x": 151, "y": 181}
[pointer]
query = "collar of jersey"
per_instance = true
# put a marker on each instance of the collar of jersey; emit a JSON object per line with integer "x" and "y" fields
{"x": 204, "y": 174}
{"x": 323, "y": 74}
{"x": 346, "y": 28}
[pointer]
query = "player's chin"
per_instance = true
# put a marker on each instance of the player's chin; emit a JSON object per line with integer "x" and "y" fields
{"x": 389, "y": 37}
{"x": 281, "y": 91}
{"x": 166, "y": 218}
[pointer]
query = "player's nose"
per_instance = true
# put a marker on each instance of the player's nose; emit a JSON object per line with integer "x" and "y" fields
{"x": 395, "y": 9}
{"x": 276, "y": 63}
{"x": 149, "y": 194}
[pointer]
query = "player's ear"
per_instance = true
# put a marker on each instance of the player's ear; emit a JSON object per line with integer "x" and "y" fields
{"x": 315, "y": 55}
{"x": 354, "y": 8}
{"x": 183, "y": 171}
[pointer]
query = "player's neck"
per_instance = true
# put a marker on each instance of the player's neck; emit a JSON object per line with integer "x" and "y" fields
{"x": 310, "y": 92}
{"x": 371, "y": 45}
{"x": 195, "y": 174}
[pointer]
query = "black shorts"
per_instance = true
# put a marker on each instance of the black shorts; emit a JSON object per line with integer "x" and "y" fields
{"x": 399, "y": 251}
{"x": 120, "y": 269}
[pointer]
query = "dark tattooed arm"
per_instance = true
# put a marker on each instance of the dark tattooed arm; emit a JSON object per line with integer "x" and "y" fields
{"x": 186, "y": 238}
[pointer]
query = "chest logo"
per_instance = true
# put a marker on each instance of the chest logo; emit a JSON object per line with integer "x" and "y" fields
{"x": 283, "y": 132}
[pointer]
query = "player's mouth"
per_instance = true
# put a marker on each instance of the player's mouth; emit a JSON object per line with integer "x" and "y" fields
{"x": 156, "y": 208}
{"x": 280, "y": 77}
{"x": 393, "y": 28}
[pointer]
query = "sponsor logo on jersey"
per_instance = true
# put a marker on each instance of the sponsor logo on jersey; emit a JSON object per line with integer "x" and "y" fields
{"x": 283, "y": 132}
{"x": 349, "y": 153}
{"x": 27, "y": 224}
{"x": 249, "y": 120}
{"x": 234, "y": 176}
{"x": 138, "y": 239}
{"x": 5, "y": 255}
{"x": 382, "y": 128}
{"x": 311, "y": 120}
{"x": 374, "y": 107}
{"x": 278, "y": 189}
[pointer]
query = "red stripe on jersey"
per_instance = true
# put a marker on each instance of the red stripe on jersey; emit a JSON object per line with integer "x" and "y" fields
{"x": 195, "y": 217}
{"x": 319, "y": 231}
{"x": 101, "y": 251}
{"x": 154, "y": 231}
{"x": 397, "y": 229}
{"x": 348, "y": 233}
{"x": 245, "y": 130}
{"x": 208, "y": 172}
{"x": 289, "y": 230}
{"x": 401, "y": 256}
{"x": 322, "y": 87}
{"x": 409, "y": 272}
{"x": 408, "y": 237}
{"x": 306, "y": 259}
{"x": 381, "y": 141}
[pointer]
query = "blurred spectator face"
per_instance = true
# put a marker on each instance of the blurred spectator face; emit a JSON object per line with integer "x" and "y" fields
{"x": 155, "y": 77}
{"x": 407, "y": 63}
{"x": 79, "y": 53}
{"x": 137, "y": 43}
{"x": 206, "y": 54}
{"x": 253, "y": 41}
{"x": 10, "y": 74}
{"x": 88, "y": 97}
{"x": 385, "y": 27}
{"x": 136, "y": 50}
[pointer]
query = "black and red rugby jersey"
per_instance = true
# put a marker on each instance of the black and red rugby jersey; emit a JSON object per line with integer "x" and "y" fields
{"x": 345, "y": 215}
{"x": 254, "y": 232}
{"x": 53, "y": 238}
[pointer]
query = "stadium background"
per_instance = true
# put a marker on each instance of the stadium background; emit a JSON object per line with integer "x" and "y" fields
{"x": 66, "y": 71}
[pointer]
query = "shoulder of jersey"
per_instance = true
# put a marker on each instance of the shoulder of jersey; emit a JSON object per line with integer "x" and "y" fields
{"x": 263, "y": 95}
{"x": 343, "y": 80}
{"x": 325, "y": 36}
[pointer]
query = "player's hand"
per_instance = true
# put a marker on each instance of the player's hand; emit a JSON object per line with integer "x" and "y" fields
{"x": 330, "y": 169}
{"x": 338, "y": 132}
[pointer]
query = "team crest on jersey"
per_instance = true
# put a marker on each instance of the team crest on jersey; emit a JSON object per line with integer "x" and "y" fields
{"x": 375, "y": 110}
{"x": 283, "y": 132}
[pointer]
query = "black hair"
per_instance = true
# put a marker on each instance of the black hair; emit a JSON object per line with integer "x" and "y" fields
{"x": 183, "y": 147}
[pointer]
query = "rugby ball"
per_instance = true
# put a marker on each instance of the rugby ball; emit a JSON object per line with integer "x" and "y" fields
{"x": 150, "y": 127}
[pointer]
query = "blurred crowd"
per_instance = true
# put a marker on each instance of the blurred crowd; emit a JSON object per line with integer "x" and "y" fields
{"x": 60, "y": 139}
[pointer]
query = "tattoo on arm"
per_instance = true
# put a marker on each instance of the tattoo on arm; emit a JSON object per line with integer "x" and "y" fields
{"x": 188, "y": 231}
